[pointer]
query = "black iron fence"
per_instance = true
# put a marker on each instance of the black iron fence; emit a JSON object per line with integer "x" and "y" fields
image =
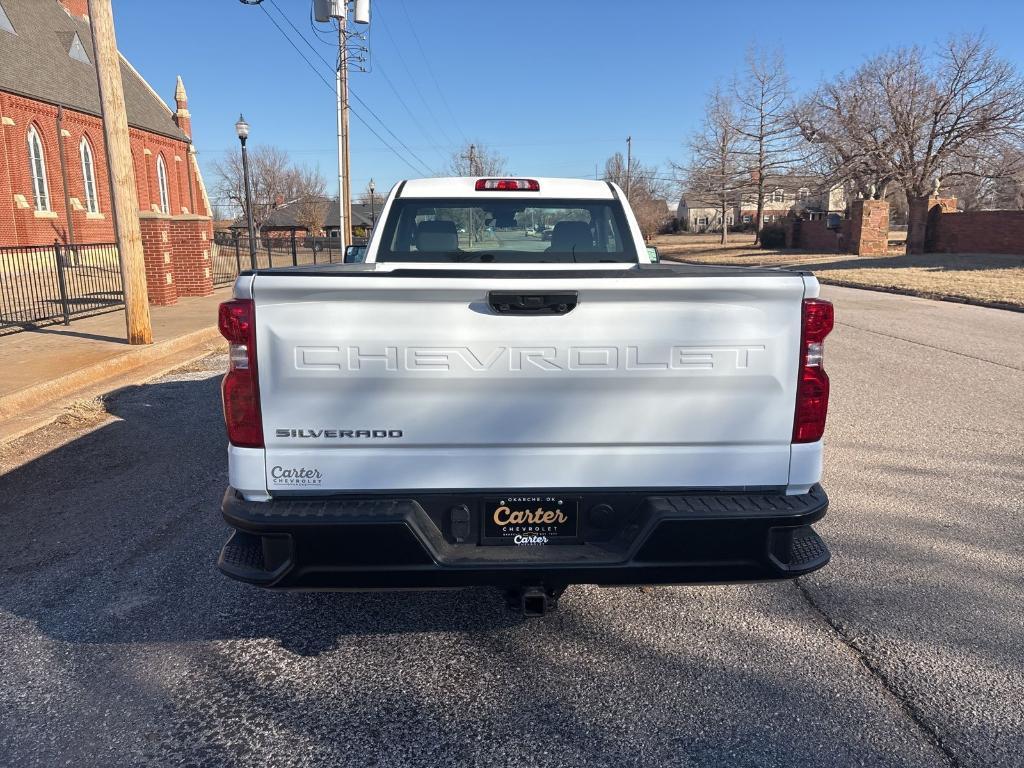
{"x": 47, "y": 284}
{"x": 231, "y": 254}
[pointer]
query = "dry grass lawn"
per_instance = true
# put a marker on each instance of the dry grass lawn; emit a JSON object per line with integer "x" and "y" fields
{"x": 987, "y": 278}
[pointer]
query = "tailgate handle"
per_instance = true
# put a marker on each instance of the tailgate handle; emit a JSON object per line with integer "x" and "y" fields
{"x": 513, "y": 303}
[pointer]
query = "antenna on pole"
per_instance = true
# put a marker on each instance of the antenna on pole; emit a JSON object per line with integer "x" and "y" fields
{"x": 362, "y": 12}
{"x": 325, "y": 10}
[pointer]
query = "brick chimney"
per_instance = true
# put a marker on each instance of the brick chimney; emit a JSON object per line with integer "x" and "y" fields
{"x": 77, "y": 8}
{"x": 182, "y": 117}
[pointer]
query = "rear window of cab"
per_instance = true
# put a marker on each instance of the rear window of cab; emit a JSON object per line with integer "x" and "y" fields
{"x": 506, "y": 230}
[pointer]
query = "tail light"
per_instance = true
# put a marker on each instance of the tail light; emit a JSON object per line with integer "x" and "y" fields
{"x": 241, "y": 390}
{"x": 507, "y": 185}
{"x": 812, "y": 381}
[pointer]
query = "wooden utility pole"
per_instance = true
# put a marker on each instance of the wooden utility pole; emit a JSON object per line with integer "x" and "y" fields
{"x": 347, "y": 164}
{"x": 123, "y": 195}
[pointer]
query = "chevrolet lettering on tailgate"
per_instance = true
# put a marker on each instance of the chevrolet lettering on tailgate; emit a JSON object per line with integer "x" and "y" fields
{"x": 628, "y": 358}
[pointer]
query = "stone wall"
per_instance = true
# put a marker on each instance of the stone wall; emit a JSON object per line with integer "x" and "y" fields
{"x": 814, "y": 236}
{"x": 865, "y": 233}
{"x": 976, "y": 232}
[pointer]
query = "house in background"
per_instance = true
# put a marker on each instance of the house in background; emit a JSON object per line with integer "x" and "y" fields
{"x": 53, "y": 165}
{"x": 294, "y": 216}
{"x": 804, "y": 196}
{"x": 700, "y": 212}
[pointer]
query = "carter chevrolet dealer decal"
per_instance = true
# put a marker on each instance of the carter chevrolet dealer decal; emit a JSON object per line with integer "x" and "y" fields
{"x": 296, "y": 476}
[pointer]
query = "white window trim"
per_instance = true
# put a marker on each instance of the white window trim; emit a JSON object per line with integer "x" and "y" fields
{"x": 5, "y": 22}
{"x": 161, "y": 182}
{"x": 37, "y": 162}
{"x": 92, "y": 204}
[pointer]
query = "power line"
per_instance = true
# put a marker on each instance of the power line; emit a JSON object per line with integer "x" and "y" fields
{"x": 430, "y": 70}
{"x": 408, "y": 72}
{"x": 352, "y": 93}
{"x": 293, "y": 45}
{"x": 412, "y": 115}
{"x": 332, "y": 88}
{"x": 301, "y": 36}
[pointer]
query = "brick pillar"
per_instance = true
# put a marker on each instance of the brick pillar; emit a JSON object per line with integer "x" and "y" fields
{"x": 791, "y": 228}
{"x": 158, "y": 256}
{"x": 869, "y": 228}
{"x": 917, "y": 218}
{"x": 191, "y": 242}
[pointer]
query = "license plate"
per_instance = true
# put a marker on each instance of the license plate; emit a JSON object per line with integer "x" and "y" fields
{"x": 531, "y": 520}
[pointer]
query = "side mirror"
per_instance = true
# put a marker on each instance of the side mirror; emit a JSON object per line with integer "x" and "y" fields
{"x": 653, "y": 255}
{"x": 355, "y": 254}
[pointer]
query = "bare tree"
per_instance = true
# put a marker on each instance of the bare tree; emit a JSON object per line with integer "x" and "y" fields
{"x": 1008, "y": 185}
{"x": 647, "y": 191}
{"x": 638, "y": 178}
{"x": 717, "y": 169}
{"x": 313, "y": 203}
{"x": 273, "y": 179}
{"x": 909, "y": 119}
{"x": 769, "y": 137}
{"x": 990, "y": 181}
{"x": 476, "y": 160}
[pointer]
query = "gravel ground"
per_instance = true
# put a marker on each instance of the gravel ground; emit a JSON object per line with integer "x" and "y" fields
{"x": 123, "y": 644}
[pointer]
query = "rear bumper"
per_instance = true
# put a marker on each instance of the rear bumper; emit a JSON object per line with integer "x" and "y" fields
{"x": 411, "y": 542}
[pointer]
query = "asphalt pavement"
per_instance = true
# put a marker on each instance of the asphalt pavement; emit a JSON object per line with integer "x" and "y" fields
{"x": 123, "y": 644}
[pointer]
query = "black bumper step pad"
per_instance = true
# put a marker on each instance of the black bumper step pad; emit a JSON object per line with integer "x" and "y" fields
{"x": 808, "y": 549}
{"x": 345, "y": 542}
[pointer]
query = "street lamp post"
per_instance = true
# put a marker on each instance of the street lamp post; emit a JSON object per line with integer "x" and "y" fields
{"x": 373, "y": 216}
{"x": 242, "y": 129}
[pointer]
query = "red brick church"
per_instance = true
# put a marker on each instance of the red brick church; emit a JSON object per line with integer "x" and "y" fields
{"x": 53, "y": 167}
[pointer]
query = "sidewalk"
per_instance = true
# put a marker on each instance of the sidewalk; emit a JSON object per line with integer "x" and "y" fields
{"x": 40, "y": 367}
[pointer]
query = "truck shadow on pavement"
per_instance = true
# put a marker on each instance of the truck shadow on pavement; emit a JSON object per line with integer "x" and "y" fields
{"x": 113, "y": 538}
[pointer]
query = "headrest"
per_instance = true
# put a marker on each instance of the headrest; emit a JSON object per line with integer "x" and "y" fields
{"x": 439, "y": 235}
{"x": 572, "y": 235}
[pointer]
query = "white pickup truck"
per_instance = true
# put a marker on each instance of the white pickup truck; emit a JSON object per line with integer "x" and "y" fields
{"x": 508, "y": 392}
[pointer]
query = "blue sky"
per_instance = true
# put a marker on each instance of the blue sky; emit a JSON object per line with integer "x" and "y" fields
{"x": 554, "y": 86}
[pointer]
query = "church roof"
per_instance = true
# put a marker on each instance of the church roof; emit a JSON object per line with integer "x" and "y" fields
{"x": 49, "y": 57}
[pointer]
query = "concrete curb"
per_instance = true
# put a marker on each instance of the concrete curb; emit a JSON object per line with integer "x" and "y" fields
{"x": 39, "y": 395}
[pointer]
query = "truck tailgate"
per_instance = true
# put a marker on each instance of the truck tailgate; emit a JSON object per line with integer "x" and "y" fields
{"x": 387, "y": 382}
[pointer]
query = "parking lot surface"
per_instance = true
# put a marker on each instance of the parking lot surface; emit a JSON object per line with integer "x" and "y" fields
{"x": 124, "y": 645}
